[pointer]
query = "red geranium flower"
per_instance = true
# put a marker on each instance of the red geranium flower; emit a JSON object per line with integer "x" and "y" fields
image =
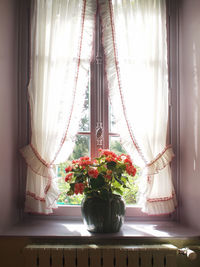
{"x": 131, "y": 170}
{"x": 110, "y": 158}
{"x": 68, "y": 169}
{"x": 107, "y": 153}
{"x": 68, "y": 177}
{"x": 81, "y": 174}
{"x": 75, "y": 161}
{"x": 79, "y": 188}
{"x": 108, "y": 177}
{"x": 84, "y": 161}
{"x": 93, "y": 172}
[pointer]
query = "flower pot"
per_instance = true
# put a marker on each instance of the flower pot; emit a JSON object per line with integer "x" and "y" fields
{"x": 103, "y": 215}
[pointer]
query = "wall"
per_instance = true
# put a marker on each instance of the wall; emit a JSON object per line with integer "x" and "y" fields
{"x": 189, "y": 64}
{"x": 8, "y": 113}
{"x": 189, "y": 44}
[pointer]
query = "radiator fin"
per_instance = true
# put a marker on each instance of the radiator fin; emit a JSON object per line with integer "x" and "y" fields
{"x": 170, "y": 261}
{"x": 82, "y": 257}
{"x": 57, "y": 258}
{"x": 100, "y": 256}
{"x": 121, "y": 258}
{"x": 44, "y": 257}
{"x": 70, "y": 257}
{"x": 158, "y": 259}
{"x": 133, "y": 258}
{"x": 145, "y": 258}
{"x": 31, "y": 258}
{"x": 108, "y": 256}
{"x": 96, "y": 259}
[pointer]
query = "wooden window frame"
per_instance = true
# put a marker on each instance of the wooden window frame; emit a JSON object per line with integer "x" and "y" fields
{"x": 23, "y": 115}
{"x": 99, "y": 110}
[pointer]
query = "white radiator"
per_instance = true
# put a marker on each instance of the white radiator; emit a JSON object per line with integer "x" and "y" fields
{"x": 100, "y": 256}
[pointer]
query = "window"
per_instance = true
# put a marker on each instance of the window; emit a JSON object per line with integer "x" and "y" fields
{"x": 97, "y": 125}
{"x": 143, "y": 74}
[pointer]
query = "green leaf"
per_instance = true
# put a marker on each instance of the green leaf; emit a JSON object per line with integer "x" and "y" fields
{"x": 70, "y": 192}
{"x": 97, "y": 183}
{"x": 118, "y": 180}
{"x": 87, "y": 190}
{"x": 72, "y": 185}
{"x": 125, "y": 177}
{"x": 111, "y": 165}
{"x": 118, "y": 190}
{"x": 125, "y": 186}
{"x": 79, "y": 178}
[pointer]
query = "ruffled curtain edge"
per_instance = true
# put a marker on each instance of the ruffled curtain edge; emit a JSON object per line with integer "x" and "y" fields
{"x": 31, "y": 156}
{"x": 163, "y": 159}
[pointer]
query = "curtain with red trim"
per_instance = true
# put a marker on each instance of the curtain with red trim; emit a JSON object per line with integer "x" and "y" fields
{"x": 135, "y": 44}
{"x": 61, "y": 46}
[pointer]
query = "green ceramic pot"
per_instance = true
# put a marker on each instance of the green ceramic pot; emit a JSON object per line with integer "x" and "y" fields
{"x": 103, "y": 216}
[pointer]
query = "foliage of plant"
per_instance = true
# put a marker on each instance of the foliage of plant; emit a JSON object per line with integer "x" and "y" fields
{"x": 107, "y": 174}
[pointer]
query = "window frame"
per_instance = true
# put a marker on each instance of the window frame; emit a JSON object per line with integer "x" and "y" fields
{"x": 99, "y": 110}
{"x": 23, "y": 115}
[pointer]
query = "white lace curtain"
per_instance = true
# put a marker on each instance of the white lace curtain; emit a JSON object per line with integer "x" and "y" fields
{"x": 134, "y": 40}
{"x": 61, "y": 45}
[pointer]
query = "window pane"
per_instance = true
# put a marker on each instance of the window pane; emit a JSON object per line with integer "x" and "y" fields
{"x": 81, "y": 149}
{"x": 112, "y": 121}
{"x": 129, "y": 194}
{"x": 84, "y": 125}
{"x": 64, "y": 187}
{"x": 115, "y": 145}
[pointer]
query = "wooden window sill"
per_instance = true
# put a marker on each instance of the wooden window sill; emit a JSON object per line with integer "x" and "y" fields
{"x": 75, "y": 229}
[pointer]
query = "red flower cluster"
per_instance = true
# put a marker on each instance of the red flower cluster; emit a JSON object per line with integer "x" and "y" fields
{"x": 128, "y": 160}
{"x": 108, "y": 174}
{"x": 131, "y": 170}
{"x": 68, "y": 177}
{"x": 79, "y": 188}
{"x": 81, "y": 173}
{"x": 75, "y": 161}
{"x": 84, "y": 161}
{"x": 93, "y": 172}
{"x": 107, "y": 153}
{"x": 68, "y": 169}
{"x": 110, "y": 156}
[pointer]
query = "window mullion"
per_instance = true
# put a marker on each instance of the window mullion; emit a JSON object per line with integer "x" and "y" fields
{"x": 99, "y": 95}
{"x": 105, "y": 109}
{"x": 99, "y": 87}
{"x": 93, "y": 109}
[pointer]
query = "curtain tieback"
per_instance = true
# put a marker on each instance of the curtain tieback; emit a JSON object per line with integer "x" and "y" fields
{"x": 36, "y": 163}
{"x": 160, "y": 161}
{"x": 48, "y": 165}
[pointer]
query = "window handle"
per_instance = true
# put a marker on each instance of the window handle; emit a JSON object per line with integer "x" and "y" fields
{"x": 99, "y": 134}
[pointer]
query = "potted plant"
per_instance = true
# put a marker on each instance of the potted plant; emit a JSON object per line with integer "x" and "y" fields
{"x": 101, "y": 181}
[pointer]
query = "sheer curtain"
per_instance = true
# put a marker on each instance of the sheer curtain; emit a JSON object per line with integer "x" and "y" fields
{"x": 61, "y": 45}
{"x": 135, "y": 43}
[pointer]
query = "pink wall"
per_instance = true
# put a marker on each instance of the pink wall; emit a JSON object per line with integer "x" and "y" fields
{"x": 189, "y": 65}
{"x": 8, "y": 113}
{"x": 189, "y": 53}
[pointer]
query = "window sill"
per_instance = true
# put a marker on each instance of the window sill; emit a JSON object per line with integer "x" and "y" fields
{"x": 75, "y": 212}
{"x": 75, "y": 230}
